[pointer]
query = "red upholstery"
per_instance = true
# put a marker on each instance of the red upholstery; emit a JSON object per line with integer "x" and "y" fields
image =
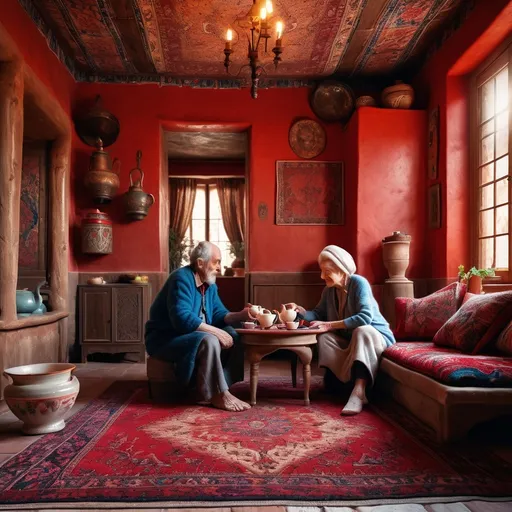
{"x": 451, "y": 367}
{"x": 418, "y": 319}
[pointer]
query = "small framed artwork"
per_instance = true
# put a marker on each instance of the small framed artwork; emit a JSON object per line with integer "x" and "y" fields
{"x": 434, "y": 206}
{"x": 433, "y": 143}
{"x": 309, "y": 192}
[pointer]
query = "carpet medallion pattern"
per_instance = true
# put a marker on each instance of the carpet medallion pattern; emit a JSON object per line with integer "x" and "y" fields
{"x": 123, "y": 447}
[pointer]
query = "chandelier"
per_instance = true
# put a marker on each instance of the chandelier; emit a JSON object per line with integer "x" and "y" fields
{"x": 257, "y": 33}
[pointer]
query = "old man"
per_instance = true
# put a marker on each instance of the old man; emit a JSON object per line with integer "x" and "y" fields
{"x": 189, "y": 326}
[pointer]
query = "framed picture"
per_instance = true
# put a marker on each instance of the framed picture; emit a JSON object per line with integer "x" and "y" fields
{"x": 433, "y": 143}
{"x": 309, "y": 192}
{"x": 434, "y": 206}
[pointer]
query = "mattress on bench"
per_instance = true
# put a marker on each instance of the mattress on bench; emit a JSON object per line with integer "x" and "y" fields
{"x": 452, "y": 367}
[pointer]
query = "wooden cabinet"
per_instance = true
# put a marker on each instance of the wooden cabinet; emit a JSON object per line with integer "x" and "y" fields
{"x": 112, "y": 317}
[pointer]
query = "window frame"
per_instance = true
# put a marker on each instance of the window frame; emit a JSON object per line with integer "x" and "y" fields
{"x": 499, "y": 59}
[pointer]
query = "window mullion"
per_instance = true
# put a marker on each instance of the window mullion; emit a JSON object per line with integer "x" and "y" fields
{"x": 207, "y": 207}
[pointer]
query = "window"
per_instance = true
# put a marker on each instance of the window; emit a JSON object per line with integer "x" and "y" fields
{"x": 207, "y": 222}
{"x": 493, "y": 185}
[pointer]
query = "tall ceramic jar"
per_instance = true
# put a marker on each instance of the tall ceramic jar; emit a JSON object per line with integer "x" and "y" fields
{"x": 96, "y": 233}
{"x": 41, "y": 395}
{"x": 395, "y": 250}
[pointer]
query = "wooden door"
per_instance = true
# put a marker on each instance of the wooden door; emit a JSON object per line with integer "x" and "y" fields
{"x": 95, "y": 313}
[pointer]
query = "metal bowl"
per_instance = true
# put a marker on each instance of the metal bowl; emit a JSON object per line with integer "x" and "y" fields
{"x": 333, "y": 101}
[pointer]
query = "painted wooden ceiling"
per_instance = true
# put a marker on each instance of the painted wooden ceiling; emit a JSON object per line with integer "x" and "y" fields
{"x": 136, "y": 38}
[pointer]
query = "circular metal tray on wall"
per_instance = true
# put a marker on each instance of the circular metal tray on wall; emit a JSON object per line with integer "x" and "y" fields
{"x": 97, "y": 123}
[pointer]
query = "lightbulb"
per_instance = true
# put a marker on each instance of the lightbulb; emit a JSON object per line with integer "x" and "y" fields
{"x": 279, "y": 29}
{"x": 269, "y": 7}
{"x": 229, "y": 35}
{"x": 263, "y": 13}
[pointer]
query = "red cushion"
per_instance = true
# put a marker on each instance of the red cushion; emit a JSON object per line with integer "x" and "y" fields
{"x": 477, "y": 324}
{"x": 452, "y": 367}
{"x": 504, "y": 343}
{"x": 422, "y": 318}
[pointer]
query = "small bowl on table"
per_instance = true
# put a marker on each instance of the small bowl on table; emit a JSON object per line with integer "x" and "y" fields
{"x": 248, "y": 325}
{"x": 292, "y": 325}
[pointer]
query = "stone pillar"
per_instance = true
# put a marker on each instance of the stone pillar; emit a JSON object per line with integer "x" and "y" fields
{"x": 11, "y": 154}
{"x": 396, "y": 260}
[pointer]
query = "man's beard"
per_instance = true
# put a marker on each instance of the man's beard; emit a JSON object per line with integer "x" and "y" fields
{"x": 211, "y": 277}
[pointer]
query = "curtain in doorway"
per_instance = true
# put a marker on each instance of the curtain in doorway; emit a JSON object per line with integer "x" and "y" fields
{"x": 183, "y": 195}
{"x": 232, "y": 204}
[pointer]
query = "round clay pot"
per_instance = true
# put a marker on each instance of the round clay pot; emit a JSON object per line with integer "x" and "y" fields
{"x": 399, "y": 95}
{"x": 395, "y": 250}
{"x": 41, "y": 395}
{"x": 366, "y": 101}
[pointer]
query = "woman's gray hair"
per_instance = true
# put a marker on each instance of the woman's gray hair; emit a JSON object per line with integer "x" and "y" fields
{"x": 203, "y": 251}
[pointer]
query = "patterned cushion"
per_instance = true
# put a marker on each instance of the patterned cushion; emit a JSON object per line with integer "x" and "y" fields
{"x": 421, "y": 318}
{"x": 477, "y": 324}
{"x": 450, "y": 366}
{"x": 504, "y": 343}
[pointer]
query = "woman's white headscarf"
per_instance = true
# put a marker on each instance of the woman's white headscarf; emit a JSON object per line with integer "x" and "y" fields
{"x": 341, "y": 258}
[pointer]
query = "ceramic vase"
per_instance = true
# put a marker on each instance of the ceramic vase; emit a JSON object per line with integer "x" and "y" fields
{"x": 399, "y": 95}
{"x": 97, "y": 233}
{"x": 41, "y": 395}
{"x": 475, "y": 285}
{"x": 395, "y": 250}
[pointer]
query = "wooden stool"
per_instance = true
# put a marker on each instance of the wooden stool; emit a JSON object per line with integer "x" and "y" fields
{"x": 162, "y": 383}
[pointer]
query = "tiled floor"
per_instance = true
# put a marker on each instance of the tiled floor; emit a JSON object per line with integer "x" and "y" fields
{"x": 96, "y": 377}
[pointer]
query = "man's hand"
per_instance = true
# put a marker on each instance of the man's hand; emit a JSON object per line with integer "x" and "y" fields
{"x": 225, "y": 340}
{"x": 295, "y": 307}
{"x": 322, "y": 326}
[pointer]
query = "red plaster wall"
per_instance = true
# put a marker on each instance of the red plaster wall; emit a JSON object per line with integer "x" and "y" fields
{"x": 35, "y": 51}
{"x": 390, "y": 192}
{"x": 141, "y": 109}
{"x": 444, "y": 81}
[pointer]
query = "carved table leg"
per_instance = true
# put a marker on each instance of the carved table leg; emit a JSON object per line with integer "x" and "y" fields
{"x": 305, "y": 355}
{"x": 255, "y": 354}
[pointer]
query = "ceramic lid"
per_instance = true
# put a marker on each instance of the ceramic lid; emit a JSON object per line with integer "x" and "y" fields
{"x": 397, "y": 237}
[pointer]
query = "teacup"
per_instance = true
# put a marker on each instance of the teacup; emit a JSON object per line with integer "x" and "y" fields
{"x": 292, "y": 325}
{"x": 248, "y": 325}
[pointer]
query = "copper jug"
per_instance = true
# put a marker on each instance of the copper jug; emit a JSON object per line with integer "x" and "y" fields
{"x": 137, "y": 202}
{"x": 102, "y": 178}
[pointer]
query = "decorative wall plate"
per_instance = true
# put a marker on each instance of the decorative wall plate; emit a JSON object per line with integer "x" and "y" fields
{"x": 307, "y": 138}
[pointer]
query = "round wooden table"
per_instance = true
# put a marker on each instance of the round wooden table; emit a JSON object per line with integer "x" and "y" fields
{"x": 262, "y": 342}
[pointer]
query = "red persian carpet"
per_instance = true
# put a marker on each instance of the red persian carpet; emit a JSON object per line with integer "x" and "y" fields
{"x": 122, "y": 447}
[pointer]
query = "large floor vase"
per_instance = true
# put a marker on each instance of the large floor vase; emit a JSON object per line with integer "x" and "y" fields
{"x": 41, "y": 395}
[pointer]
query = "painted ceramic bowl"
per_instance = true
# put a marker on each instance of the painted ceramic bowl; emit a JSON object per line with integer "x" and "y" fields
{"x": 41, "y": 395}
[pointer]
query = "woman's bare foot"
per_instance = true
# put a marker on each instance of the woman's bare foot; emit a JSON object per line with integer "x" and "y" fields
{"x": 355, "y": 403}
{"x": 227, "y": 402}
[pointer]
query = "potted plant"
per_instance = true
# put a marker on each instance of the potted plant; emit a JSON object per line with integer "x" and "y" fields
{"x": 178, "y": 250}
{"x": 237, "y": 249}
{"x": 474, "y": 276}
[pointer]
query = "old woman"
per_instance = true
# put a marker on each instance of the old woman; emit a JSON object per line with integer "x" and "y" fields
{"x": 353, "y": 332}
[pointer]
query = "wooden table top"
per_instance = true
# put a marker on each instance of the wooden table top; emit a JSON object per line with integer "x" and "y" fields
{"x": 278, "y": 331}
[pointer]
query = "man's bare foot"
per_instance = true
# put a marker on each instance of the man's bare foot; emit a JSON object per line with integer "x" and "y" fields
{"x": 228, "y": 402}
{"x": 355, "y": 403}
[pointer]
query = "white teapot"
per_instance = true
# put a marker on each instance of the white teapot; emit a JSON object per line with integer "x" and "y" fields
{"x": 287, "y": 314}
{"x": 255, "y": 310}
{"x": 266, "y": 318}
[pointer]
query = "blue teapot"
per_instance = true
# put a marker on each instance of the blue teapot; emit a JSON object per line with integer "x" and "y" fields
{"x": 28, "y": 303}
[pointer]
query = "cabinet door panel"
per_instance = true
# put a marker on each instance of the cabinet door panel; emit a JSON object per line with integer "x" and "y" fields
{"x": 96, "y": 315}
{"x": 127, "y": 318}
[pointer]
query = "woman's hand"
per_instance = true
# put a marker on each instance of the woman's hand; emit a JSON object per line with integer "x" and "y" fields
{"x": 321, "y": 326}
{"x": 295, "y": 307}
